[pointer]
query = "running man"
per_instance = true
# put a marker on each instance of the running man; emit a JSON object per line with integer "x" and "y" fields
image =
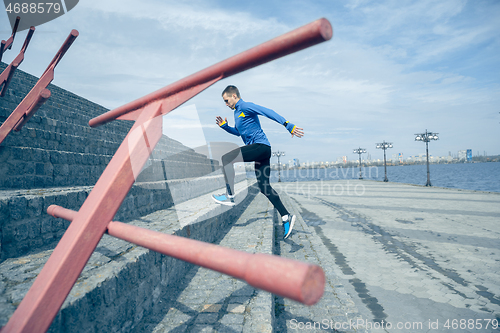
{"x": 257, "y": 149}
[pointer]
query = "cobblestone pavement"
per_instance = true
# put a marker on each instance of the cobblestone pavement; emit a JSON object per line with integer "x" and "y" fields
{"x": 413, "y": 258}
{"x": 207, "y": 301}
{"x": 335, "y": 312}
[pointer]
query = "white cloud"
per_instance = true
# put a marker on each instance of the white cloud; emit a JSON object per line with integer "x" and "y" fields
{"x": 392, "y": 68}
{"x": 188, "y": 19}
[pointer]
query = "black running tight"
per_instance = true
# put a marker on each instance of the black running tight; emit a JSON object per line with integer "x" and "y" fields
{"x": 261, "y": 155}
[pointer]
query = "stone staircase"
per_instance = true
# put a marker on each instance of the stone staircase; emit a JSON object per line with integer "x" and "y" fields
{"x": 123, "y": 286}
{"x": 56, "y": 158}
{"x": 57, "y": 148}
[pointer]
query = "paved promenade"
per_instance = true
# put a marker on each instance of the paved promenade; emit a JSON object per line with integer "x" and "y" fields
{"x": 418, "y": 258}
{"x": 207, "y": 301}
{"x": 397, "y": 258}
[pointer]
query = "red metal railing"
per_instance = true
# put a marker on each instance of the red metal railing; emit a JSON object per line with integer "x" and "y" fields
{"x": 296, "y": 40}
{"x": 38, "y": 94}
{"x": 7, "y": 45}
{"x": 297, "y": 280}
{"x": 7, "y": 74}
{"x": 54, "y": 282}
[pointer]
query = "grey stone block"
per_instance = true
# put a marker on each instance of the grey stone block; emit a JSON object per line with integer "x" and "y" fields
{"x": 17, "y": 207}
{"x": 21, "y": 232}
{"x": 39, "y": 169}
{"x": 8, "y": 236}
{"x": 34, "y": 230}
{"x": 46, "y": 225}
{"x": 4, "y": 211}
{"x": 35, "y": 205}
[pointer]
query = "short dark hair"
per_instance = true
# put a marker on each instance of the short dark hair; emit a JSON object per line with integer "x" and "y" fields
{"x": 231, "y": 90}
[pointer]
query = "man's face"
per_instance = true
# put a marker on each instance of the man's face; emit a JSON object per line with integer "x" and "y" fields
{"x": 230, "y": 100}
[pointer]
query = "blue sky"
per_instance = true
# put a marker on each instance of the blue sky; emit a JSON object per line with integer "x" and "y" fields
{"x": 392, "y": 69}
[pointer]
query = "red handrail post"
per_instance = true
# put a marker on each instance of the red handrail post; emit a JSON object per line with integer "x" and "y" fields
{"x": 288, "y": 278}
{"x": 7, "y": 45}
{"x": 37, "y": 96}
{"x": 7, "y": 74}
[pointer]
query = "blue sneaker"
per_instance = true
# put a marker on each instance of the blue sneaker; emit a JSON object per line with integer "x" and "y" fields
{"x": 223, "y": 199}
{"x": 288, "y": 226}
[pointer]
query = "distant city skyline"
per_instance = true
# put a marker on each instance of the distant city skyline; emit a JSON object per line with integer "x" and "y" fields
{"x": 459, "y": 155}
{"x": 391, "y": 70}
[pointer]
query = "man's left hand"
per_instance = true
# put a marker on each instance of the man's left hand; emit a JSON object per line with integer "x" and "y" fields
{"x": 298, "y": 132}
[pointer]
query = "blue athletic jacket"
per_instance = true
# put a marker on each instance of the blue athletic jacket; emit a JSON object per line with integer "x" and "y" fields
{"x": 247, "y": 124}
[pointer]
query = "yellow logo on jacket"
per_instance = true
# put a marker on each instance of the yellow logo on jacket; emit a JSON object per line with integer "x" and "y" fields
{"x": 241, "y": 115}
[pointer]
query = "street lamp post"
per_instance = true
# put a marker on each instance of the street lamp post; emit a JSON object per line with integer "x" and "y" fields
{"x": 360, "y": 151}
{"x": 384, "y": 145}
{"x": 279, "y": 154}
{"x": 426, "y": 137}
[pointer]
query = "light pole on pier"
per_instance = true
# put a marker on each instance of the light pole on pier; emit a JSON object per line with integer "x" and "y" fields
{"x": 360, "y": 151}
{"x": 385, "y": 145}
{"x": 279, "y": 154}
{"x": 426, "y": 137}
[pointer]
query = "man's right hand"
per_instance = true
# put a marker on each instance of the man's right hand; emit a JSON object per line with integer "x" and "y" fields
{"x": 219, "y": 120}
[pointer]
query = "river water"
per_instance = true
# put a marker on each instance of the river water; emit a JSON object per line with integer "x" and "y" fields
{"x": 468, "y": 176}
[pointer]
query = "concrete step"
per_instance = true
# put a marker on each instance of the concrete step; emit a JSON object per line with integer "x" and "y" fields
{"x": 43, "y": 127}
{"x": 66, "y": 121}
{"x": 30, "y": 167}
{"x": 70, "y": 107}
{"x": 57, "y": 148}
{"x": 123, "y": 284}
{"x": 27, "y": 228}
{"x": 70, "y": 141}
{"x": 76, "y": 138}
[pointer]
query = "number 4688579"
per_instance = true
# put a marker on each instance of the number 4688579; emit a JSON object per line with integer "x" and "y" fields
{"x": 33, "y": 8}
{"x": 471, "y": 324}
